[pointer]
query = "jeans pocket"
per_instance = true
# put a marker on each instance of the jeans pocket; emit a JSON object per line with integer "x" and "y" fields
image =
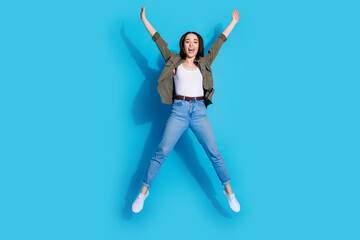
{"x": 201, "y": 103}
{"x": 177, "y": 102}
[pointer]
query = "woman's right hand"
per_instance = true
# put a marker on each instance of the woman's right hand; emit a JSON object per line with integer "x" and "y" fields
{"x": 235, "y": 16}
{"x": 142, "y": 14}
{"x": 148, "y": 26}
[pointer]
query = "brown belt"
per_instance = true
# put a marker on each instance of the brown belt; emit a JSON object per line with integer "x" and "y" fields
{"x": 188, "y": 98}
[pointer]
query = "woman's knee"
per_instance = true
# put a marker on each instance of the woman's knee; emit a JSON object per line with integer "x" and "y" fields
{"x": 215, "y": 155}
{"x": 161, "y": 154}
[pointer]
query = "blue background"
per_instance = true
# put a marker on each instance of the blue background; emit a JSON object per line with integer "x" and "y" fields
{"x": 81, "y": 117}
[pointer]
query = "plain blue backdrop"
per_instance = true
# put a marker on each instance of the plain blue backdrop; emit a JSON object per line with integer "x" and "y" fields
{"x": 80, "y": 118}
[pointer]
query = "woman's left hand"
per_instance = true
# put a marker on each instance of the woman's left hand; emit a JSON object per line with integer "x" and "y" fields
{"x": 235, "y": 16}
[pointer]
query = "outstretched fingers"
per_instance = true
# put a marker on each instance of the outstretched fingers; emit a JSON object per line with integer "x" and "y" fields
{"x": 235, "y": 15}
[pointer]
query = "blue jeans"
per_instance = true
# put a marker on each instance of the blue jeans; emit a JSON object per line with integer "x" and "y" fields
{"x": 187, "y": 114}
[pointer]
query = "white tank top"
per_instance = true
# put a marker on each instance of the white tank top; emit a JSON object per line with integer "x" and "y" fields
{"x": 188, "y": 82}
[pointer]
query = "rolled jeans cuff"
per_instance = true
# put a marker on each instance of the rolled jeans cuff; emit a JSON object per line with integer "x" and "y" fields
{"x": 227, "y": 182}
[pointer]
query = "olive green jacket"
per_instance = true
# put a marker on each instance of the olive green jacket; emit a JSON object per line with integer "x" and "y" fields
{"x": 166, "y": 86}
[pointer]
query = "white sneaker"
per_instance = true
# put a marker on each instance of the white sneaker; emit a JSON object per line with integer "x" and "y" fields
{"x": 234, "y": 204}
{"x": 139, "y": 202}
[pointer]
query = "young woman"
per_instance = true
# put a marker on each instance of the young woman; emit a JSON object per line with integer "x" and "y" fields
{"x": 186, "y": 82}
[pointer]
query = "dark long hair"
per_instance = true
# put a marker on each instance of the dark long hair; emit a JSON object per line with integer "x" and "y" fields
{"x": 200, "y": 52}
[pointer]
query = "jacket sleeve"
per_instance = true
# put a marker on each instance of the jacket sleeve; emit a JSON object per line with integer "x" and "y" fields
{"x": 214, "y": 50}
{"x": 162, "y": 45}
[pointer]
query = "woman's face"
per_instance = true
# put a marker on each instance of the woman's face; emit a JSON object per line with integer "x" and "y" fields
{"x": 191, "y": 45}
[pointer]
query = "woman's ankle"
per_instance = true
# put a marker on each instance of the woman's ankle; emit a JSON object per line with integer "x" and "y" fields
{"x": 228, "y": 190}
{"x": 144, "y": 190}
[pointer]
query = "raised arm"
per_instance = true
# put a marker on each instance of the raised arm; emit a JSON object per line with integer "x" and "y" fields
{"x": 235, "y": 20}
{"x": 215, "y": 48}
{"x": 162, "y": 45}
{"x": 148, "y": 26}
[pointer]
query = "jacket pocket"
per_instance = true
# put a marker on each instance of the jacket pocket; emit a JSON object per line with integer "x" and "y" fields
{"x": 208, "y": 68}
{"x": 208, "y": 95}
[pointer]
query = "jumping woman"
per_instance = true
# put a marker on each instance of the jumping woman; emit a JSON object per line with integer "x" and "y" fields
{"x": 186, "y": 82}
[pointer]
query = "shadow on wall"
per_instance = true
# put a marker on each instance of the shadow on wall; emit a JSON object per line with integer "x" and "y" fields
{"x": 147, "y": 107}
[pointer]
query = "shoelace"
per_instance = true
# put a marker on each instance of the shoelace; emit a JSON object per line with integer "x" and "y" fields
{"x": 232, "y": 196}
{"x": 141, "y": 196}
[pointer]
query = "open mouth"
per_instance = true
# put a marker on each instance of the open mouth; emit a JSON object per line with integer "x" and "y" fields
{"x": 191, "y": 50}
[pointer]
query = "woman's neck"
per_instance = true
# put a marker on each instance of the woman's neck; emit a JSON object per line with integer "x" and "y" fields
{"x": 189, "y": 60}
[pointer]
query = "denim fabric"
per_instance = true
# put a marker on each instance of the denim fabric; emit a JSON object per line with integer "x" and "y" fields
{"x": 187, "y": 114}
